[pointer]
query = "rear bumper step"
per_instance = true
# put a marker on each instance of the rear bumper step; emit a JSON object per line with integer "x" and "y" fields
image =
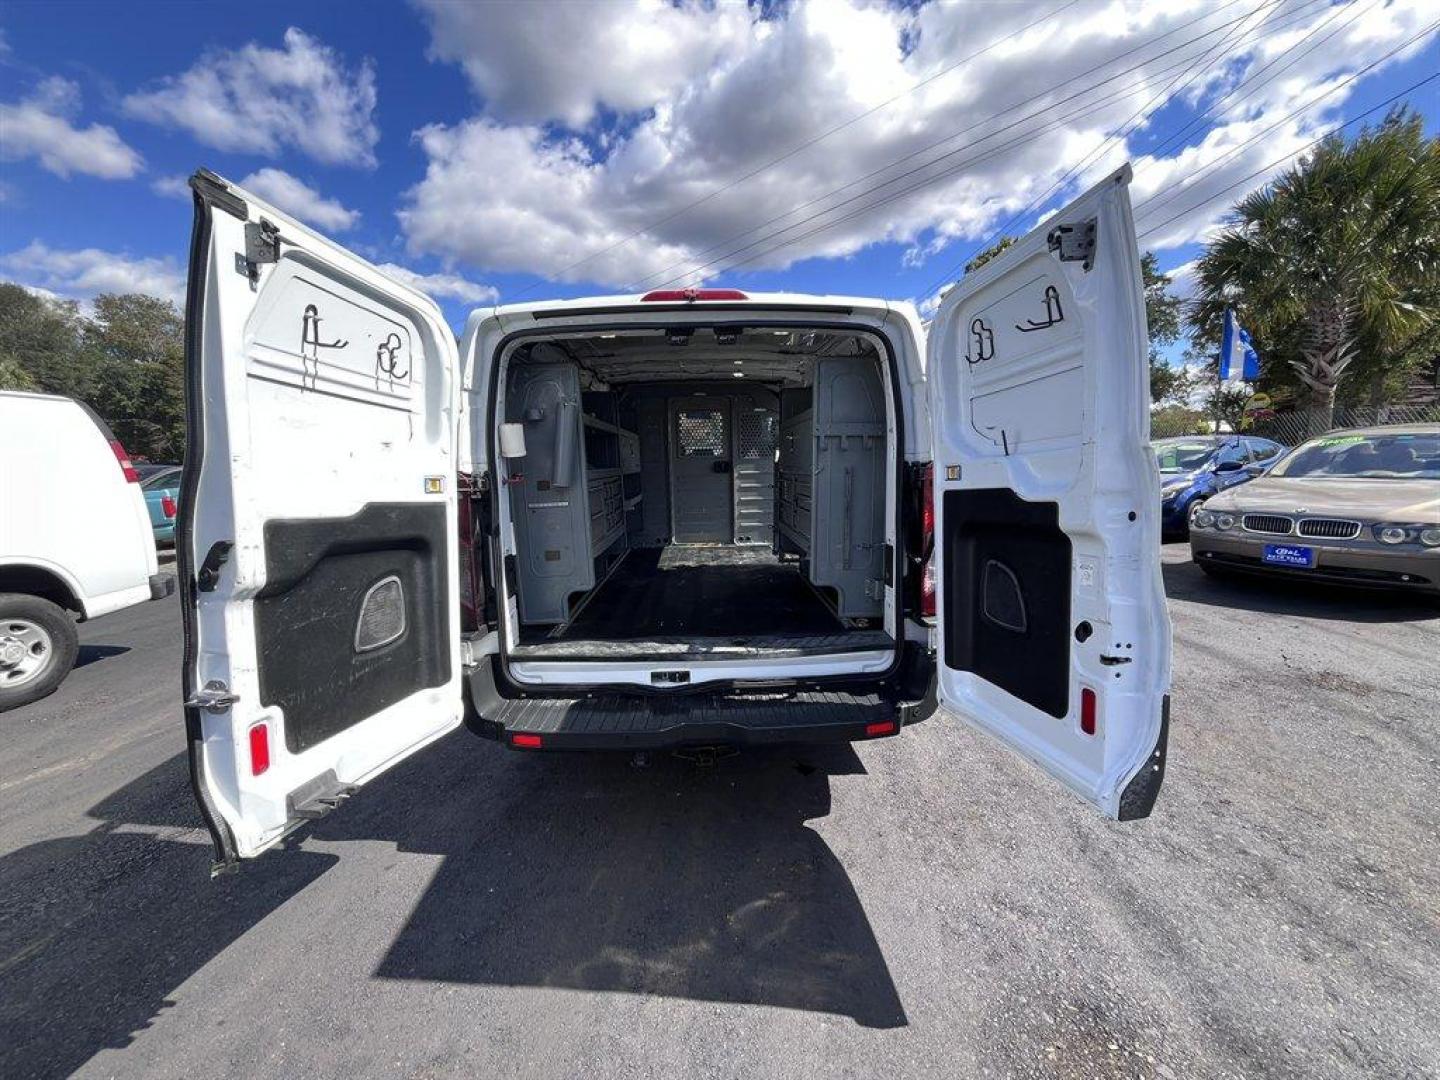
{"x": 650, "y": 722}
{"x": 602, "y": 719}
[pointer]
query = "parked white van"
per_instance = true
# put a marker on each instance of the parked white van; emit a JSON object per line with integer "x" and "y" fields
{"x": 75, "y": 538}
{"x": 691, "y": 519}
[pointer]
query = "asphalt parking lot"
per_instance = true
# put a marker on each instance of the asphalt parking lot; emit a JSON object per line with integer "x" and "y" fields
{"x": 924, "y": 905}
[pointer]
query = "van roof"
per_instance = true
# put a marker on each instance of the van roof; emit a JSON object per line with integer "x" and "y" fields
{"x": 36, "y": 395}
{"x": 768, "y": 301}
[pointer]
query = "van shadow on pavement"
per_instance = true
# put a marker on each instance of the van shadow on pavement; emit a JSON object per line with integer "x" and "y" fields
{"x": 89, "y": 654}
{"x": 583, "y": 872}
{"x": 97, "y": 930}
{"x": 571, "y": 871}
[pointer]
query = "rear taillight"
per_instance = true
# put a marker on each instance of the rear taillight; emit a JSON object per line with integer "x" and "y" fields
{"x": 927, "y": 507}
{"x": 675, "y": 295}
{"x": 259, "y": 749}
{"x": 927, "y": 541}
{"x": 123, "y": 458}
{"x": 167, "y": 506}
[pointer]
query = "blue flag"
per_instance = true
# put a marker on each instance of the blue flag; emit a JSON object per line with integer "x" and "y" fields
{"x": 1236, "y": 352}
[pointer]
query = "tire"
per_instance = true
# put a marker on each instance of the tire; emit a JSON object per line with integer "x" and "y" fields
{"x": 38, "y": 644}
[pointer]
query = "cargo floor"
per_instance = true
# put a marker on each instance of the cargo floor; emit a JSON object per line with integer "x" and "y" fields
{"x": 744, "y": 595}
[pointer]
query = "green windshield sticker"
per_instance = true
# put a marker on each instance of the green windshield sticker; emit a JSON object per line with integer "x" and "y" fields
{"x": 1340, "y": 440}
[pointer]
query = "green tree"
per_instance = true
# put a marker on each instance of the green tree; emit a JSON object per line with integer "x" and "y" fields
{"x": 15, "y": 377}
{"x": 1335, "y": 266}
{"x": 1171, "y": 420}
{"x": 980, "y": 258}
{"x": 126, "y": 362}
{"x": 1163, "y": 324}
{"x": 40, "y": 344}
{"x": 1226, "y": 405}
{"x": 137, "y": 347}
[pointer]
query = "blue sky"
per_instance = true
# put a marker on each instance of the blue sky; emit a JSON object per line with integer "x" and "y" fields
{"x": 492, "y": 148}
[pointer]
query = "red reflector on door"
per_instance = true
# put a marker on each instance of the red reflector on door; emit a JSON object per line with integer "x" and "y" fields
{"x": 259, "y": 749}
{"x": 880, "y": 727}
{"x": 529, "y": 742}
{"x": 1087, "y": 710}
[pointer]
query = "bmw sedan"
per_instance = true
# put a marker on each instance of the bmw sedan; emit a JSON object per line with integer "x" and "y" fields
{"x": 1358, "y": 507}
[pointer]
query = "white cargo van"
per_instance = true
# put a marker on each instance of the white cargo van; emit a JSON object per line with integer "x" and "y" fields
{"x": 75, "y": 538}
{"x": 690, "y": 519}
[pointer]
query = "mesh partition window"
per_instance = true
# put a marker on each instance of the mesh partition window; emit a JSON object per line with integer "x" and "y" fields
{"x": 759, "y": 430}
{"x": 701, "y": 432}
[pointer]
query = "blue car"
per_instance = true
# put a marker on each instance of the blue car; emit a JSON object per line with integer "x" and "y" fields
{"x": 162, "y": 492}
{"x": 1194, "y": 467}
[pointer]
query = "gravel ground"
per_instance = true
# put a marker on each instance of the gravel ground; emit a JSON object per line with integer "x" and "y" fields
{"x": 925, "y": 905}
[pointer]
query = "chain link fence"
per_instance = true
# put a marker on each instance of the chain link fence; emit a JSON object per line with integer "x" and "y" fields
{"x": 1294, "y": 427}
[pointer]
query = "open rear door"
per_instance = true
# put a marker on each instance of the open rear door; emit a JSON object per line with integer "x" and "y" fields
{"x": 1053, "y": 631}
{"x": 317, "y": 521}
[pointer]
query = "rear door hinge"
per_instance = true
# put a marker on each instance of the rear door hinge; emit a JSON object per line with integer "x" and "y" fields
{"x": 1074, "y": 243}
{"x": 262, "y": 245}
{"x": 213, "y": 697}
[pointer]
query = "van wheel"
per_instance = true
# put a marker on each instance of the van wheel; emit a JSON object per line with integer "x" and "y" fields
{"x": 38, "y": 644}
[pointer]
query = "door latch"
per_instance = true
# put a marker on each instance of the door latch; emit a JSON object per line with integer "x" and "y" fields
{"x": 209, "y": 574}
{"x": 1074, "y": 243}
{"x": 213, "y": 697}
{"x": 262, "y": 245}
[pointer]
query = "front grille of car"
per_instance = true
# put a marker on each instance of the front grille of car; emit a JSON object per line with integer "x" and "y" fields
{"x": 1273, "y": 524}
{"x": 1329, "y": 528}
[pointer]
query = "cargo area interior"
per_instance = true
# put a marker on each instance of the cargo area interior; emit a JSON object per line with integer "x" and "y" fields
{"x": 696, "y": 492}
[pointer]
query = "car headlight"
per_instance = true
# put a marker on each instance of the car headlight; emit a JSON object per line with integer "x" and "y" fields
{"x": 1396, "y": 533}
{"x": 1202, "y": 518}
{"x": 1224, "y": 521}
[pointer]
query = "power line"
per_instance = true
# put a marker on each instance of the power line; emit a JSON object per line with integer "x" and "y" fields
{"x": 1291, "y": 155}
{"x": 1248, "y": 83}
{"x": 828, "y": 225}
{"x": 1155, "y": 202}
{"x": 694, "y": 267}
{"x": 805, "y": 145}
{"x": 948, "y": 138}
{"x": 1128, "y": 127}
{"x": 1022, "y": 139}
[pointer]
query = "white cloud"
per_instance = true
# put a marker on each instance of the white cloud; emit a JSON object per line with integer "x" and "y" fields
{"x": 41, "y": 126}
{"x": 536, "y": 62}
{"x": 260, "y": 100}
{"x": 172, "y": 187}
{"x": 515, "y": 196}
{"x": 297, "y": 198}
{"x": 452, "y": 286}
{"x": 1182, "y": 279}
{"x": 82, "y": 274}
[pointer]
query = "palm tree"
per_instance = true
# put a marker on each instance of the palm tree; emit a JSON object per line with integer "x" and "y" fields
{"x": 1343, "y": 245}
